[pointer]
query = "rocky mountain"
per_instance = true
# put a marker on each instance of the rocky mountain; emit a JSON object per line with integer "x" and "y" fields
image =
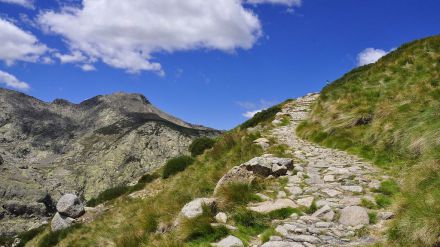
{"x": 49, "y": 149}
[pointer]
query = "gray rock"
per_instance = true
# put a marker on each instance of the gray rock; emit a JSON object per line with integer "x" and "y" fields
{"x": 70, "y": 205}
{"x": 1, "y": 160}
{"x": 281, "y": 244}
{"x": 269, "y": 206}
{"x": 18, "y": 208}
{"x": 354, "y": 216}
{"x": 385, "y": 215}
{"x": 304, "y": 238}
{"x": 323, "y": 210}
{"x": 194, "y": 208}
{"x": 306, "y": 201}
{"x": 266, "y": 166}
{"x": 230, "y": 241}
{"x": 221, "y": 218}
{"x": 60, "y": 222}
{"x": 237, "y": 174}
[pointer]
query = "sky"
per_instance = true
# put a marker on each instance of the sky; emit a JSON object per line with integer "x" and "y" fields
{"x": 210, "y": 62}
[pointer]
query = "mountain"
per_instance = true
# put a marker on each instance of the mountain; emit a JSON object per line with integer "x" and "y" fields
{"x": 49, "y": 149}
{"x": 388, "y": 112}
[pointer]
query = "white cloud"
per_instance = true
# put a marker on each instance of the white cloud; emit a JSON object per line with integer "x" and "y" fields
{"x": 88, "y": 67}
{"x": 11, "y": 81}
{"x": 74, "y": 57}
{"x": 126, "y": 34}
{"x": 24, "y": 3}
{"x": 250, "y": 114}
{"x": 289, "y": 3}
{"x": 18, "y": 45}
{"x": 370, "y": 55}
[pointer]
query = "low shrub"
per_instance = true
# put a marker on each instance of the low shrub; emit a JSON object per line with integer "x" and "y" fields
{"x": 383, "y": 201}
{"x": 176, "y": 165}
{"x": 198, "y": 146}
{"x": 253, "y": 222}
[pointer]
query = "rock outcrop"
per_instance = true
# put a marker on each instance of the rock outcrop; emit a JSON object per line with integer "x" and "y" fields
{"x": 49, "y": 149}
{"x": 69, "y": 208}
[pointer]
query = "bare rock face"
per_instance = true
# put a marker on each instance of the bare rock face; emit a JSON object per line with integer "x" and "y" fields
{"x": 60, "y": 147}
{"x": 70, "y": 205}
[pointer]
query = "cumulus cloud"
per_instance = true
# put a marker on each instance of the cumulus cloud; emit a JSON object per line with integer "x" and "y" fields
{"x": 126, "y": 34}
{"x": 18, "y": 45}
{"x": 12, "y": 82}
{"x": 289, "y": 3}
{"x": 24, "y": 3}
{"x": 250, "y": 114}
{"x": 370, "y": 55}
{"x": 74, "y": 57}
{"x": 88, "y": 67}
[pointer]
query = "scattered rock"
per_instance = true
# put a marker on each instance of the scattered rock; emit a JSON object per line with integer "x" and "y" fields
{"x": 306, "y": 201}
{"x": 385, "y": 215}
{"x": 354, "y": 216}
{"x": 328, "y": 216}
{"x": 281, "y": 194}
{"x": 265, "y": 166}
{"x": 304, "y": 238}
{"x": 221, "y": 218}
{"x": 269, "y": 206}
{"x": 263, "y": 142}
{"x": 329, "y": 178}
{"x": 237, "y": 174}
{"x": 295, "y": 190}
{"x": 323, "y": 210}
{"x": 70, "y": 205}
{"x": 331, "y": 192}
{"x": 195, "y": 208}
{"x": 60, "y": 222}
{"x": 281, "y": 244}
{"x": 351, "y": 201}
{"x": 230, "y": 241}
{"x": 353, "y": 188}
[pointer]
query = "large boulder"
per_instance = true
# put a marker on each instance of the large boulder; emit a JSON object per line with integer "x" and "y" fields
{"x": 230, "y": 241}
{"x": 237, "y": 174}
{"x": 70, "y": 205}
{"x": 60, "y": 222}
{"x": 354, "y": 216}
{"x": 194, "y": 208}
{"x": 266, "y": 166}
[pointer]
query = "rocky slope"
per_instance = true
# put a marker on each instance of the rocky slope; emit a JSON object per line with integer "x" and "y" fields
{"x": 49, "y": 149}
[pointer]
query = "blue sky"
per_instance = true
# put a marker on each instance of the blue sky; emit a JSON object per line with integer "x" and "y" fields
{"x": 207, "y": 62}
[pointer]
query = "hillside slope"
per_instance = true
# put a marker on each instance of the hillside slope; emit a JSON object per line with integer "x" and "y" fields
{"x": 48, "y": 149}
{"x": 389, "y": 112}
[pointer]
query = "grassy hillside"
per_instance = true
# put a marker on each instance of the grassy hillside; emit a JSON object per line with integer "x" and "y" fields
{"x": 133, "y": 222}
{"x": 389, "y": 112}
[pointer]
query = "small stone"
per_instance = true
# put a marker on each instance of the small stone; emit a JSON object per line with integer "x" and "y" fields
{"x": 354, "y": 188}
{"x": 385, "y": 215}
{"x": 354, "y": 216}
{"x": 306, "y": 201}
{"x": 328, "y": 216}
{"x": 221, "y": 217}
{"x": 281, "y": 244}
{"x": 350, "y": 201}
{"x": 321, "y": 211}
{"x": 329, "y": 178}
{"x": 230, "y": 241}
{"x": 281, "y": 230}
{"x": 70, "y": 205}
{"x": 60, "y": 222}
{"x": 195, "y": 208}
{"x": 275, "y": 238}
{"x": 331, "y": 192}
{"x": 269, "y": 206}
{"x": 323, "y": 224}
{"x": 304, "y": 238}
{"x": 281, "y": 194}
{"x": 295, "y": 190}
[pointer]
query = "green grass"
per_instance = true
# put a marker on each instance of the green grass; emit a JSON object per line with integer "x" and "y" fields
{"x": 53, "y": 238}
{"x": 264, "y": 116}
{"x": 118, "y": 191}
{"x": 372, "y": 216}
{"x": 389, "y": 187}
{"x": 387, "y": 112}
{"x": 237, "y": 194}
{"x": 367, "y": 203}
{"x": 176, "y": 165}
{"x": 126, "y": 222}
{"x": 199, "y": 145}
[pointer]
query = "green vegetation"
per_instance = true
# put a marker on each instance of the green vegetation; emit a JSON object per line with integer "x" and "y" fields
{"x": 262, "y": 117}
{"x": 389, "y": 187}
{"x": 372, "y": 216}
{"x": 198, "y": 146}
{"x": 199, "y": 229}
{"x": 53, "y": 238}
{"x": 176, "y": 165}
{"x": 367, "y": 203}
{"x": 118, "y": 191}
{"x": 133, "y": 222}
{"x": 237, "y": 194}
{"x": 388, "y": 112}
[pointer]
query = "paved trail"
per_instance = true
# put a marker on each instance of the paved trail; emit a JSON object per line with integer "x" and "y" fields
{"x": 335, "y": 180}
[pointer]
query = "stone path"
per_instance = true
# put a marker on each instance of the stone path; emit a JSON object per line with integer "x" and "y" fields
{"x": 335, "y": 181}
